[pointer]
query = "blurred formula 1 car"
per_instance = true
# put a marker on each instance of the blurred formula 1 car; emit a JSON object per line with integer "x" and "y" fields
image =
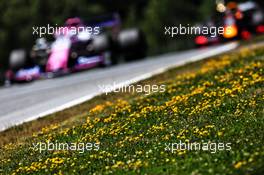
{"x": 229, "y": 29}
{"x": 85, "y": 50}
{"x": 244, "y": 20}
{"x": 74, "y": 51}
{"x": 250, "y": 19}
{"x": 71, "y": 49}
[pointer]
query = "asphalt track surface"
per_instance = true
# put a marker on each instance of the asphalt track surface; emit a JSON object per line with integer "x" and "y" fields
{"x": 25, "y": 102}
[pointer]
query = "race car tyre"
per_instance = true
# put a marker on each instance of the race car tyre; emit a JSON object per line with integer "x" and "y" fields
{"x": 17, "y": 59}
{"x": 104, "y": 44}
{"x": 40, "y": 60}
{"x": 132, "y": 44}
{"x": 101, "y": 43}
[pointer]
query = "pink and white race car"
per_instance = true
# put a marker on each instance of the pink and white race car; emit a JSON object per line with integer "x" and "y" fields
{"x": 76, "y": 49}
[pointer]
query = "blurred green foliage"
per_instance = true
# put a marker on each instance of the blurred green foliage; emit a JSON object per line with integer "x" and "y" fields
{"x": 17, "y": 17}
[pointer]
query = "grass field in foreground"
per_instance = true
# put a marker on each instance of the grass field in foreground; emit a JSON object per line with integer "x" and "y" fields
{"x": 219, "y": 100}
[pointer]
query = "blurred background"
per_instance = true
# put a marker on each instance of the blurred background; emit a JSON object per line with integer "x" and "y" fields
{"x": 151, "y": 16}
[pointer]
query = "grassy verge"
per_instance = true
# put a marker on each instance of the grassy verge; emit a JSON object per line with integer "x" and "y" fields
{"x": 218, "y": 101}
